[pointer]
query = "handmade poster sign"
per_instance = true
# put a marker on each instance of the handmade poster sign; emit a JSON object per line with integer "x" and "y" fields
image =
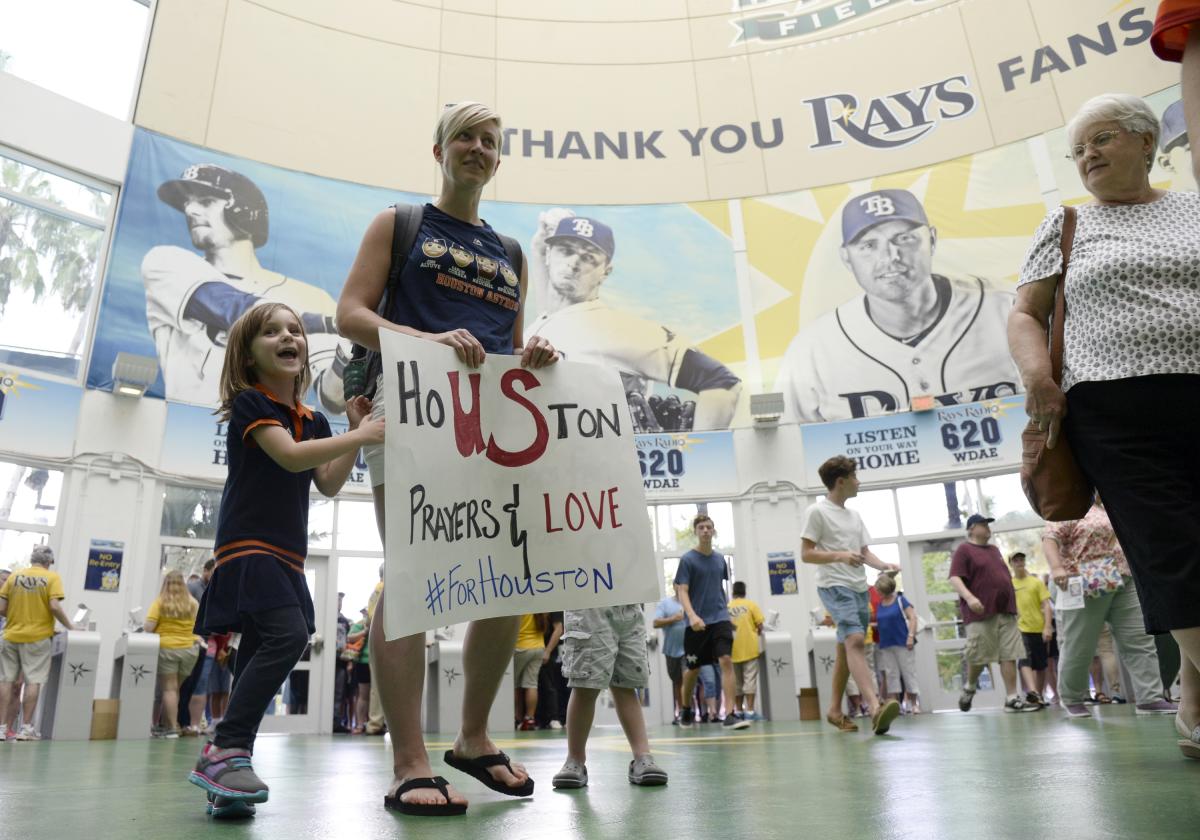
{"x": 509, "y": 490}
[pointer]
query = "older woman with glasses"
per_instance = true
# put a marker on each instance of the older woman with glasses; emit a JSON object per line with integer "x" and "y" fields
{"x": 1131, "y": 375}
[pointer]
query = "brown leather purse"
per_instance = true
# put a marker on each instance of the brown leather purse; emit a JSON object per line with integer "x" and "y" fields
{"x": 1056, "y": 488}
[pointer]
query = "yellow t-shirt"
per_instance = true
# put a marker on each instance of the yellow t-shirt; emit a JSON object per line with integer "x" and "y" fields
{"x": 746, "y": 617}
{"x": 373, "y": 601}
{"x": 173, "y": 633}
{"x": 29, "y": 592}
{"x": 1031, "y": 592}
{"x": 530, "y": 637}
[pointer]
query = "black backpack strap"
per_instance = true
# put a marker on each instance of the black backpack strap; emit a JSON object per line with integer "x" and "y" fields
{"x": 512, "y": 249}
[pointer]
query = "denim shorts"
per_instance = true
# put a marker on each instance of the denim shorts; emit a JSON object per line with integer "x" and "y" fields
{"x": 850, "y": 610}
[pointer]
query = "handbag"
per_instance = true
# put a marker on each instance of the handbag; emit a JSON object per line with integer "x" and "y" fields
{"x": 1056, "y": 488}
{"x": 1100, "y": 576}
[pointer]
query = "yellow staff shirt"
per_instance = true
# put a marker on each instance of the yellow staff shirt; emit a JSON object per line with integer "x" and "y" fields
{"x": 29, "y": 592}
{"x": 173, "y": 633}
{"x": 529, "y": 637}
{"x": 746, "y": 617}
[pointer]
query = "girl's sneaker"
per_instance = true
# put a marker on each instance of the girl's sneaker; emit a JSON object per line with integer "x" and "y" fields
{"x": 228, "y": 774}
{"x": 221, "y": 808}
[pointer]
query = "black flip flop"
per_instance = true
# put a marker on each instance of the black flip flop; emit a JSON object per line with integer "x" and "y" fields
{"x": 417, "y": 809}
{"x": 478, "y": 768}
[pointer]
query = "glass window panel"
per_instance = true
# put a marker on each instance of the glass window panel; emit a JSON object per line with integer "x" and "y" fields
{"x": 21, "y": 178}
{"x": 888, "y": 553}
{"x": 878, "y": 512}
{"x": 930, "y": 508}
{"x": 935, "y": 566}
{"x": 357, "y": 577}
{"x": 186, "y": 558}
{"x": 30, "y": 494}
{"x": 85, "y": 50}
{"x": 356, "y": 528}
{"x": 48, "y": 266}
{"x": 947, "y": 612}
{"x": 1001, "y": 497}
{"x": 190, "y": 512}
{"x": 16, "y": 546}
{"x": 674, "y": 527}
{"x": 320, "y": 523}
{"x": 670, "y": 567}
{"x": 1029, "y": 542}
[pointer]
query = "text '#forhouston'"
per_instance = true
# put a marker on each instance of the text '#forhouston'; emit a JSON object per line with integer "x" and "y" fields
{"x": 466, "y": 587}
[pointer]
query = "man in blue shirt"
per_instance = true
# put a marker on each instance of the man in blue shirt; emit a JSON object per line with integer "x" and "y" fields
{"x": 669, "y": 618}
{"x": 709, "y": 635}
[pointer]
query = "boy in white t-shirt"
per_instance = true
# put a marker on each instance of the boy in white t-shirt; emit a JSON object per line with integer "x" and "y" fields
{"x": 835, "y": 540}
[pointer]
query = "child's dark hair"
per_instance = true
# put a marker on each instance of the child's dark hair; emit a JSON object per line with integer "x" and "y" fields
{"x": 839, "y": 466}
{"x": 237, "y": 375}
{"x": 739, "y": 589}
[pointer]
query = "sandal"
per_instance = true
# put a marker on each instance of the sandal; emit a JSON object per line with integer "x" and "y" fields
{"x": 417, "y": 809}
{"x": 478, "y": 768}
{"x": 843, "y": 723}
{"x": 1101, "y": 697}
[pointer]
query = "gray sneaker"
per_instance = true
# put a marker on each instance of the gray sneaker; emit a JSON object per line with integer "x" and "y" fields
{"x": 572, "y": 775}
{"x": 228, "y": 773}
{"x": 966, "y": 699}
{"x": 643, "y": 771}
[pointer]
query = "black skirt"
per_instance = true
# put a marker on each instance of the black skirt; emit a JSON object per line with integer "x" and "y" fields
{"x": 247, "y": 585}
{"x": 1136, "y": 440}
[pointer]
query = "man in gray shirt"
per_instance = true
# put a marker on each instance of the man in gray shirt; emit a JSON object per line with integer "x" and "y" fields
{"x": 709, "y": 636}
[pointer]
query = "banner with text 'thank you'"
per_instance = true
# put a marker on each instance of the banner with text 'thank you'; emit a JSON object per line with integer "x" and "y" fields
{"x": 509, "y": 490}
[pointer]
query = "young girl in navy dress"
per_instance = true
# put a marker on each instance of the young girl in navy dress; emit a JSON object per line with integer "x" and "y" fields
{"x": 277, "y": 448}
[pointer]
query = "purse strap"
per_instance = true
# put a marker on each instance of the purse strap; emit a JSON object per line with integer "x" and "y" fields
{"x": 1060, "y": 296}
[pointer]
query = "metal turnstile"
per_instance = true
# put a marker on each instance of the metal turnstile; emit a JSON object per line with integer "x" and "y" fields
{"x": 66, "y": 699}
{"x": 135, "y": 664}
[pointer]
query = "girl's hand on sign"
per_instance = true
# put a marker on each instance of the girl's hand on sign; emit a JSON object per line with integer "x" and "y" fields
{"x": 538, "y": 353}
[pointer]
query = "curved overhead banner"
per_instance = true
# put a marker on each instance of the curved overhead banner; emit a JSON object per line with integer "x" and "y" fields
{"x": 629, "y": 102}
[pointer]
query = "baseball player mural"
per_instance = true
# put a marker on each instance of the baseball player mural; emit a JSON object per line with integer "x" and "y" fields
{"x": 1175, "y": 150}
{"x": 571, "y": 256}
{"x": 911, "y": 332}
{"x": 192, "y": 300}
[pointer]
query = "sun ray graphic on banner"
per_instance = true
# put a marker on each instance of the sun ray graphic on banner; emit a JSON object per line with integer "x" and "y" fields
{"x": 984, "y": 207}
{"x": 11, "y": 384}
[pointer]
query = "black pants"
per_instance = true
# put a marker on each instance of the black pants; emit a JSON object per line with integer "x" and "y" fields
{"x": 1136, "y": 440}
{"x": 272, "y": 643}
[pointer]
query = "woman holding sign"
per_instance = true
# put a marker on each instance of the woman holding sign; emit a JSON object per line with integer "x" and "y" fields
{"x": 440, "y": 272}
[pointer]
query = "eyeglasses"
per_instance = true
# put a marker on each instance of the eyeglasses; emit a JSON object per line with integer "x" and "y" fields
{"x": 1098, "y": 141}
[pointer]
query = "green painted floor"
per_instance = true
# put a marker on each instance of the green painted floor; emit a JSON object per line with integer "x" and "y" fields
{"x": 972, "y": 776}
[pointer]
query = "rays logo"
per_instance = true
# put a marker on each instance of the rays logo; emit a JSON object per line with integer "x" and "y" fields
{"x": 433, "y": 248}
{"x": 892, "y": 121}
{"x": 878, "y": 205}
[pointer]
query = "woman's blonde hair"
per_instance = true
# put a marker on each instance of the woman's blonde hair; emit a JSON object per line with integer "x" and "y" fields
{"x": 885, "y": 584}
{"x": 463, "y": 115}
{"x": 1128, "y": 111}
{"x": 174, "y": 600}
{"x": 237, "y": 375}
